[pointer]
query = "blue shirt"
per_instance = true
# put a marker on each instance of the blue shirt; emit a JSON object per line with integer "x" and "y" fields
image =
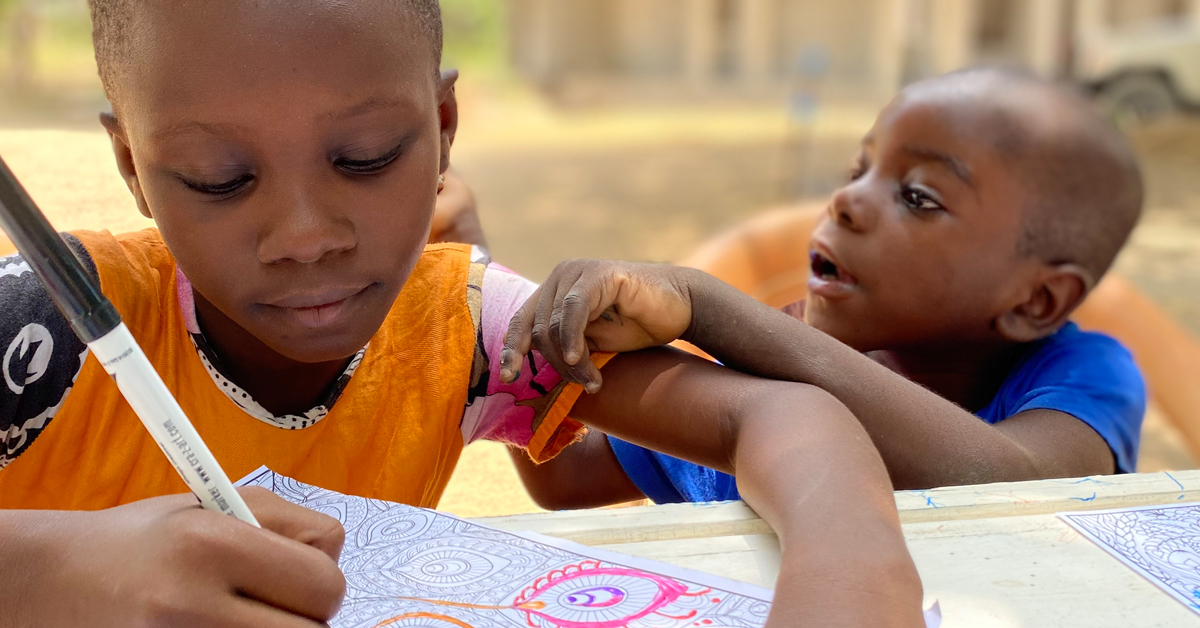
{"x": 1087, "y": 375}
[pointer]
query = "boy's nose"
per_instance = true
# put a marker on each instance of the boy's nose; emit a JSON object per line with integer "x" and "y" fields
{"x": 305, "y": 232}
{"x": 849, "y": 208}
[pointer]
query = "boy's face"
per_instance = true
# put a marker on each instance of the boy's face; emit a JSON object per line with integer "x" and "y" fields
{"x": 920, "y": 248}
{"x": 289, "y": 155}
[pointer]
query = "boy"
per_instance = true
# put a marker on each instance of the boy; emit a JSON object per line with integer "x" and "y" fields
{"x": 984, "y": 206}
{"x": 290, "y": 154}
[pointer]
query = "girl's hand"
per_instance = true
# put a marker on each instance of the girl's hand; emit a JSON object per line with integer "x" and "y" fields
{"x": 166, "y": 562}
{"x": 588, "y": 305}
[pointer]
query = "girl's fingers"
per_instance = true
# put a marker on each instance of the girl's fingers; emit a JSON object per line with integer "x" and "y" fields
{"x": 245, "y": 613}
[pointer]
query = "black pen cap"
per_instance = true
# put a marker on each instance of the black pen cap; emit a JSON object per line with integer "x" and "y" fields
{"x": 74, "y": 291}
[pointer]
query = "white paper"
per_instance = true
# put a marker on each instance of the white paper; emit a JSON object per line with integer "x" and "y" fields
{"x": 1162, "y": 543}
{"x": 409, "y": 566}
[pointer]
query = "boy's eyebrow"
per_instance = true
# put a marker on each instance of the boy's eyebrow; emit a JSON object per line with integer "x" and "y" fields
{"x": 951, "y": 162}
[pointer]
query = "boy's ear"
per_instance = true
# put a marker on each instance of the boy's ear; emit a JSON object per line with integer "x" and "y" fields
{"x": 125, "y": 161}
{"x": 1060, "y": 290}
{"x": 448, "y": 113}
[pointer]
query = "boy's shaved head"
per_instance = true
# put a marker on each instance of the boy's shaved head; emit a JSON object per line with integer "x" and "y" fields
{"x": 983, "y": 206}
{"x": 114, "y": 29}
{"x": 1085, "y": 188}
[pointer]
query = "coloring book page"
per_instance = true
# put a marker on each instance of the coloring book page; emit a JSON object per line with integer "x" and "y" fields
{"x": 413, "y": 567}
{"x": 1162, "y": 543}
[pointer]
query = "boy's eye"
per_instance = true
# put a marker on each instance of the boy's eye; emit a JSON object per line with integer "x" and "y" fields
{"x": 224, "y": 190}
{"x": 857, "y": 171}
{"x": 919, "y": 200}
{"x": 368, "y": 166}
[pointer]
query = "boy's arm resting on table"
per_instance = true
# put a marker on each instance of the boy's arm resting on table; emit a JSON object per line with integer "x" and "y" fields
{"x": 802, "y": 462}
{"x": 925, "y": 440}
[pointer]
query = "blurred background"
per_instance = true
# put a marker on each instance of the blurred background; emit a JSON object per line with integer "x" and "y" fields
{"x": 639, "y": 129}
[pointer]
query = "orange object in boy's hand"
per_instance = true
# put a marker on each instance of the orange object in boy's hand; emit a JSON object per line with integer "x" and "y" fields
{"x": 589, "y": 305}
{"x": 166, "y": 562}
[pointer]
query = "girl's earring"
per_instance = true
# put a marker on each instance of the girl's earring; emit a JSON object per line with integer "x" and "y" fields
{"x": 441, "y": 183}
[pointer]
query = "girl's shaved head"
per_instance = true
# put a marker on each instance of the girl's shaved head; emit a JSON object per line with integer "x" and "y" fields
{"x": 115, "y": 30}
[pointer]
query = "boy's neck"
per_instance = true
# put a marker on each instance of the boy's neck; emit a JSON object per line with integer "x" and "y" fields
{"x": 969, "y": 377}
{"x": 279, "y": 384}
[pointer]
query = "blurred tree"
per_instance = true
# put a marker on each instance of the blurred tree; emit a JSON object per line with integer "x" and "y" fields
{"x": 475, "y": 33}
{"x": 21, "y": 29}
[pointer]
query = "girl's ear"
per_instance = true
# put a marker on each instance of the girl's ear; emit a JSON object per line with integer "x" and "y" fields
{"x": 125, "y": 161}
{"x": 447, "y": 113}
{"x": 1059, "y": 291}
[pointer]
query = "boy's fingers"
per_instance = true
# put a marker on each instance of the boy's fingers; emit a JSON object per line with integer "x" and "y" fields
{"x": 517, "y": 341}
{"x": 546, "y": 342}
{"x": 582, "y": 303}
{"x": 295, "y": 522}
{"x": 564, "y": 309}
{"x": 555, "y": 351}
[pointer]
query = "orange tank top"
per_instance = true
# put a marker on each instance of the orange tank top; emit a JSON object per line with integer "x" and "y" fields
{"x": 393, "y": 433}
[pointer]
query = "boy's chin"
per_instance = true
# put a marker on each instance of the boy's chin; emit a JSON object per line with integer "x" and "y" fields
{"x": 841, "y": 328}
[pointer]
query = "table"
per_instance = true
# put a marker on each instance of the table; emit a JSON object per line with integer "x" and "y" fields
{"x": 994, "y": 556}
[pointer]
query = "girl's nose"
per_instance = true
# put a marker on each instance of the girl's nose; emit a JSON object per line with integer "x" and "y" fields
{"x": 305, "y": 231}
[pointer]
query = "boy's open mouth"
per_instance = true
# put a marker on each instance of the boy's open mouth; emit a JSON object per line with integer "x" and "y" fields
{"x": 827, "y": 279}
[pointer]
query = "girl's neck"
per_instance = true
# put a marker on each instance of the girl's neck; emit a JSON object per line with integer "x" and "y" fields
{"x": 279, "y": 384}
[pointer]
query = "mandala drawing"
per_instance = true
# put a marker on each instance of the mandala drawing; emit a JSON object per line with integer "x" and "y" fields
{"x": 1160, "y": 543}
{"x": 413, "y": 568}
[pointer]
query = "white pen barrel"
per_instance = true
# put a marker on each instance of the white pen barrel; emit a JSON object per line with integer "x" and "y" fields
{"x": 149, "y": 397}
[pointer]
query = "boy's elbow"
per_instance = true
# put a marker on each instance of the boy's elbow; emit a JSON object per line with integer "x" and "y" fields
{"x": 560, "y": 496}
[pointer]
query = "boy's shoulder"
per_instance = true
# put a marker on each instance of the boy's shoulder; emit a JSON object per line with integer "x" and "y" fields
{"x": 1088, "y": 375}
{"x": 1072, "y": 350}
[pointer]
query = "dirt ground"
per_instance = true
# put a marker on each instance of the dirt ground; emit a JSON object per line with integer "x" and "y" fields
{"x": 646, "y": 187}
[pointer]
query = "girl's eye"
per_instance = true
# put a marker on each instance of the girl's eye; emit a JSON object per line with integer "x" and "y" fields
{"x": 917, "y": 199}
{"x": 368, "y": 166}
{"x": 222, "y": 190}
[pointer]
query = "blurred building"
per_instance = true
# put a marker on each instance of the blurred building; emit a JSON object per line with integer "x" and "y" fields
{"x": 864, "y": 48}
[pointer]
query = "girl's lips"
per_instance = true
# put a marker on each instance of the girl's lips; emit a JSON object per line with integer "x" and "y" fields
{"x": 324, "y": 311}
{"x": 319, "y": 316}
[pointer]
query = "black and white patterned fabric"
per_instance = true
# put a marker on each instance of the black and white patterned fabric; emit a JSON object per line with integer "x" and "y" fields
{"x": 42, "y": 356}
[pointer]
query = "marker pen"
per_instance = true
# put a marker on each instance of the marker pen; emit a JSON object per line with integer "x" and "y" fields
{"x": 97, "y": 323}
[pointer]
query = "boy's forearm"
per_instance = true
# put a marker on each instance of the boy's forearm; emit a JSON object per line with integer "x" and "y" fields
{"x": 824, "y": 490}
{"x": 925, "y": 440}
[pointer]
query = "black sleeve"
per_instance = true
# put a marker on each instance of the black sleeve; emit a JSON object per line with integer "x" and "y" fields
{"x": 42, "y": 356}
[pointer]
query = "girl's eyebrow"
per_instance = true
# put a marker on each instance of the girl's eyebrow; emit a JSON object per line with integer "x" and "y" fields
{"x": 193, "y": 126}
{"x": 369, "y": 105}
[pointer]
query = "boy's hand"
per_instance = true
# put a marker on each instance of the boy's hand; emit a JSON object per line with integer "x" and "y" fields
{"x": 589, "y": 305}
{"x": 166, "y": 562}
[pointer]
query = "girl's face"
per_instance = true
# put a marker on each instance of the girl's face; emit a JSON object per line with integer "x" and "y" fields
{"x": 289, "y": 153}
